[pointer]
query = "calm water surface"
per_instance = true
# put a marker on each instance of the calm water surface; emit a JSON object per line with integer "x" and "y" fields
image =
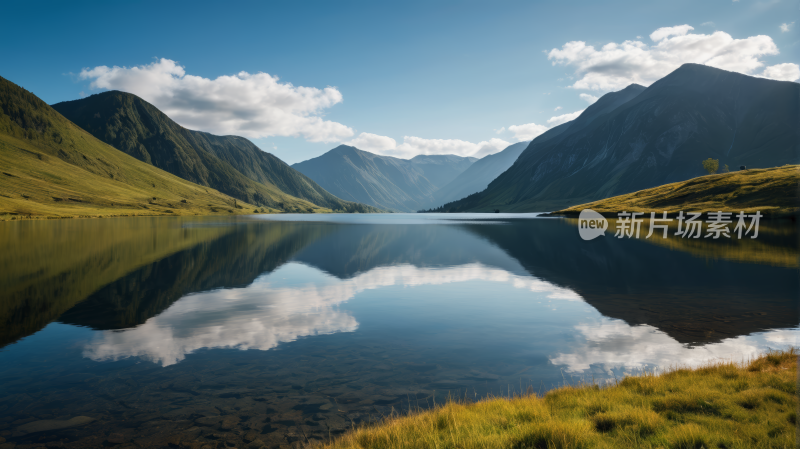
{"x": 277, "y": 330}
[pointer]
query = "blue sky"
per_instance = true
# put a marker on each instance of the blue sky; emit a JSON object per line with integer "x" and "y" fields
{"x": 432, "y": 77}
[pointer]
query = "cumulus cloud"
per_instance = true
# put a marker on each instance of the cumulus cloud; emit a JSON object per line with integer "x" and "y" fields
{"x": 615, "y": 66}
{"x": 373, "y": 143}
{"x": 665, "y": 32}
{"x": 413, "y": 146}
{"x": 251, "y": 105}
{"x": 528, "y": 131}
{"x": 785, "y": 71}
{"x": 589, "y": 98}
{"x": 557, "y": 108}
{"x": 557, "y": 120}
{"x": 785, "y": 27}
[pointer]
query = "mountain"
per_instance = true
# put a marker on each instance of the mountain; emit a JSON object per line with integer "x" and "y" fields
{"x": 51, "y": 167}
{"x": 382, "y": 181}
{"x": 230, "y": 164}
{"x": 640, "y": 138}
{"x": 478, "y": 176}
{"x": 441, "y": 169}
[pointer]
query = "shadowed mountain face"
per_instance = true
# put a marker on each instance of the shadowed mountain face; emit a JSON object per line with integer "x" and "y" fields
{"x": 382, "y": 181}
{"x": 640, "y": 138}
{"x": 230, "y": 164}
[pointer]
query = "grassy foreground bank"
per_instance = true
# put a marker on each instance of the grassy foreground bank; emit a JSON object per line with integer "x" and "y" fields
{"x": 772, "y": 191}
{"x": 721, "y": 405}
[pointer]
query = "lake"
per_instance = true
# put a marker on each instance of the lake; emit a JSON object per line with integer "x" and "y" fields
{"x": 276, "y": 330}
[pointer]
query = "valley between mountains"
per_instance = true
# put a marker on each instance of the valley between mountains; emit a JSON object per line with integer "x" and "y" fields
{"x": 113, "y": 153}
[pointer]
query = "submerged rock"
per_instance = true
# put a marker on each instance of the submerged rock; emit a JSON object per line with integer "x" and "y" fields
{"x": 54, "y": 424}
{"x": 116, "y": 438}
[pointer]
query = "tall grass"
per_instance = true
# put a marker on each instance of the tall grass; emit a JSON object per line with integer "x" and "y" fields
{"x": 721, "y": 405}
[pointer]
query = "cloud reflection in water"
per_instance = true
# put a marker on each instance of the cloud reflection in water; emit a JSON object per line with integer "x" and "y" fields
{"x": 271, "y": 311}
{"x": 612, "y": 344}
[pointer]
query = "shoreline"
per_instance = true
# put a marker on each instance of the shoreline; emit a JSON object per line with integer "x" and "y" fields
{"x": 720, "y": 404}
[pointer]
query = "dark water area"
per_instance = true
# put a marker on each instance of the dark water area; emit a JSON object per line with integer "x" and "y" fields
{"x": 276, "y": 331}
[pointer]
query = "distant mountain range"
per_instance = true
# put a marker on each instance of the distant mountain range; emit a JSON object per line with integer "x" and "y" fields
{"x": 478, "y": 176}
{"x": 441, "y": 169}
{"x": 644, "y": 137}
{"x": 230, "y": 164}
{"x": 385, "y": 182}
{"x": 405, "y": 185}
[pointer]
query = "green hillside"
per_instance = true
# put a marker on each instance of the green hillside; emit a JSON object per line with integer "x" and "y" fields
{"x": 230, "y": 164}
{"x": 53, "y": 168}
{"x": 772, "y": 191}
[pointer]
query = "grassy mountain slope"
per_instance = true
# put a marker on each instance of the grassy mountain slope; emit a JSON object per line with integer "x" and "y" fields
{"x": 381, "y": 181}
{"x": 478, "y": 175}
{"x": 625, "y": 143}
{"x": 772, "y": 191}
{"x": 231, "y": 164}
{"x": 51, "y": 167}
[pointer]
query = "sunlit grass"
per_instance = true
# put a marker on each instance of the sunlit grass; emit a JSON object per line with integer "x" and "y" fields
{"x": 772, "y": 191}
{"x": 722, "y": 405}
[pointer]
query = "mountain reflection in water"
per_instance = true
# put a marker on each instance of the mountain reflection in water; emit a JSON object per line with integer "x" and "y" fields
{"x": 313, "y": 324}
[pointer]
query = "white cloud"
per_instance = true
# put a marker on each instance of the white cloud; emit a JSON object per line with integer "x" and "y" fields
{"x": 708, "y": 24}
{"x": 413, "y": 146}
{"x": 665, "y": 32}
{"x": 528, "y": 131}
{"x": 589, "y": 98}
{"x": 373, "y": 143}
{"x": 783, "y": 72}
{"x": 785, "y": 27}
{"x": 501, "y": 130}
{"x": 557, "y": 108}
{"x": 252, "y": 105}
{"x": 615, "y": 66}
{"x": 557, "y": 120}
